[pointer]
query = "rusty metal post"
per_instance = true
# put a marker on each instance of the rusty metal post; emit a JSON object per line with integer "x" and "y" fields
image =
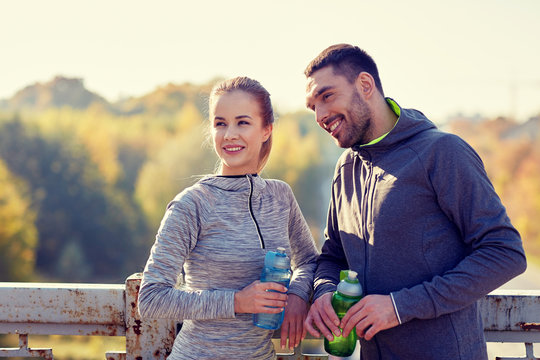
{"x": 145, "y": 338}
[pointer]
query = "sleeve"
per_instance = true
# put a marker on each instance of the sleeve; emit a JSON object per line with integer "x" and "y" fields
{"x": 303, "y": 252}
{"x": 332, "y": 259}
{"x": 158, "y": 297}
{"x": 468, "y": 199}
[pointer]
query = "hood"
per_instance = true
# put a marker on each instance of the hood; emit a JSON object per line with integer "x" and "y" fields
{"x": 237, "y": 184}
{"x": 410, "y": 123}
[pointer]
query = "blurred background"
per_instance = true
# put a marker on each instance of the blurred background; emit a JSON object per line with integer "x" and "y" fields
{"x": 103, "y": 111}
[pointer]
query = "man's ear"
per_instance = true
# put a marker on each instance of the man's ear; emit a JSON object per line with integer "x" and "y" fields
{"x": 365, "y": 84}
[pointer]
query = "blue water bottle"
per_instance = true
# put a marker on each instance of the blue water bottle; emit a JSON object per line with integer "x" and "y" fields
{"x": 277, "y": 268}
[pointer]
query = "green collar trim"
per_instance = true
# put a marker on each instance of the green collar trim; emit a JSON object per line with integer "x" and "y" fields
{"x": 395, "y": 108}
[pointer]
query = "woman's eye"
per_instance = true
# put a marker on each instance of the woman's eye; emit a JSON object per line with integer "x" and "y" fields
{"x": 243, "y": 122}
{"x": 219, "y": 123}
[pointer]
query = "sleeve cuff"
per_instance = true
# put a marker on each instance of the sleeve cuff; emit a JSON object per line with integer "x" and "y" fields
{"x": 395, "y": 308}
{"x": 298, "y": 292}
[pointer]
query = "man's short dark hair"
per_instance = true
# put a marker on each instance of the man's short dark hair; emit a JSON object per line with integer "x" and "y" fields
{"x": 346, "y": 60}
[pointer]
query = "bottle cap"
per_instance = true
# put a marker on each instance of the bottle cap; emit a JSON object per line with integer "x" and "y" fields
{"x": 350, "y": 286}
{"x": 277, "y": 259}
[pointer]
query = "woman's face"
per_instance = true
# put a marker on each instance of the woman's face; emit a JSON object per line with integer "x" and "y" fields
{"x": 238, "y": 132}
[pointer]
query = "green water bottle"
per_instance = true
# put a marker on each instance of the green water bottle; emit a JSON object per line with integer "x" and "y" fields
{"x": 349, "y": 292}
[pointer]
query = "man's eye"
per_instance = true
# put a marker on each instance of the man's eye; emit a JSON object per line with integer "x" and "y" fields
{"x": 326, "y": 96}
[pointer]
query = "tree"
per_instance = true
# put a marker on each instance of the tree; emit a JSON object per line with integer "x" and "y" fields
{"x": 76, "y": 207}
{"x": 304, "y": 156}
{"x": 18, "y": 234}
{"x": 180, "y": 163}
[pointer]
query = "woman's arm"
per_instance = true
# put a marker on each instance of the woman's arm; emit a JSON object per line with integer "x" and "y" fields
{"x": 304, "y": 261}
{"x": 304, "y": 253}
{"x": 176, "y": 237}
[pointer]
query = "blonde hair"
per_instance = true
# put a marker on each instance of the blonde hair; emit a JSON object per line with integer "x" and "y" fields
{"x": 261, "y": 95}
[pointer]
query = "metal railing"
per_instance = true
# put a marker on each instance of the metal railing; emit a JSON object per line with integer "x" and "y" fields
{"x": 509, "y": 316}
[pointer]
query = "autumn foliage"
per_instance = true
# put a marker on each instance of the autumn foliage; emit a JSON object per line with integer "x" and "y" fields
{"x": 84, "y": 182}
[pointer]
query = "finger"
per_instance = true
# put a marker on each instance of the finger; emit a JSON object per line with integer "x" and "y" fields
{"x": 275, "y": 286}
{"x": 371, "y": 331}
{"x": 274, "y": 303}
{"x": 352, "y": 311}
{"x": 330, "y": 313}
{"x": 271, "y": 295}
{"x": 292, "y": 334}
{"x": 362, "y": 327}
{"x": 322, "y": 325}
{"x": 299, "y": 332}
{"x": 284, "y": 333}
{"x": 353, "y": 321}
{"x": 271, "y": 310}
{"x": 331, "y": 321}
{"x": 308, "y": 325}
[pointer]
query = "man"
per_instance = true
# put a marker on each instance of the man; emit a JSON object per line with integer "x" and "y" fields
{"x": 413, "y": 212}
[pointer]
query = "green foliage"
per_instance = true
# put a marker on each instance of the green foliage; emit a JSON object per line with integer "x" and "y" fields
{"x": 18, "y": 234}
{"x": 511, "y": 154}
{"x": 79, "y": 214}
{"x": 304, "y": 156}
{"x": 83, "y": 187}
{"x": 181, "y": 161}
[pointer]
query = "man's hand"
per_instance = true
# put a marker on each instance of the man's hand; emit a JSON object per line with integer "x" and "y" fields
{"x": 370, "y": 315}
{"x": 322, "y": 315}
{"x": 293, "y": 322}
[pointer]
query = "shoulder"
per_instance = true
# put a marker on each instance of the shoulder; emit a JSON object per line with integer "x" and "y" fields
{"x": 194, "y": 198}
{"x": 278, "y": 187}
{"x": 436, "y": 144}
{"x": 347, "y": 157}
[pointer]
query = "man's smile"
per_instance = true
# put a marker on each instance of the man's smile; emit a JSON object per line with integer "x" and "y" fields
{"x": 333, "y": 124}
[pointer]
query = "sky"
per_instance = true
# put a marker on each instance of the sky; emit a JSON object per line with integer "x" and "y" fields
{"x": 441, "y": 57}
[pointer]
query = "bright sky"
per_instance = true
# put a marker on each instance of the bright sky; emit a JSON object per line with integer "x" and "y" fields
{"x": 441, "y": 57}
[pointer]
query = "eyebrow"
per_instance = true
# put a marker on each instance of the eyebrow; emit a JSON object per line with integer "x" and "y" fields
{"x": 318, "y": 93}
{"x": 236, "y": 117}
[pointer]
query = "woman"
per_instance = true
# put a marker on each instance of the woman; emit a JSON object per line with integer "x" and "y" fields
{"x": 218, "y": 232}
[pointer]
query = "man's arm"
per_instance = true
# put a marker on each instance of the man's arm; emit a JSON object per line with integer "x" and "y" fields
{"x": 469, "y": 200}
{"x": 322, "y": 317}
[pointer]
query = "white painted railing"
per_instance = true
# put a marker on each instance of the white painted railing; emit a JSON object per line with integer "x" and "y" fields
{"x": 111, "y": 310}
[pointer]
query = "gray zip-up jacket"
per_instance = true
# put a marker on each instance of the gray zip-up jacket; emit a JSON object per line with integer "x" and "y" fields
{"x": 218, "y": 232}
{"x": 417, "y": 217}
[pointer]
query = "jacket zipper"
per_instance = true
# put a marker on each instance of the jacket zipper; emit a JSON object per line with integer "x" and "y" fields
{"x": 261, "y": 240}
{"x": 365, "y": 202}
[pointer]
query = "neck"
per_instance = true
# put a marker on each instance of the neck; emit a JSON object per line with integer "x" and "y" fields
{"x": 383, "y": 117}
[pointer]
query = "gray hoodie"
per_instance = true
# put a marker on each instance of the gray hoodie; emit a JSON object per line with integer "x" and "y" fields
{"x": 417, "y": 217}
{"x": 218, "y": 232}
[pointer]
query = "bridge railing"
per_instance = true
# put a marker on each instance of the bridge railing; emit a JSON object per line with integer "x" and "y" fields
{"x": 111, "y": 310}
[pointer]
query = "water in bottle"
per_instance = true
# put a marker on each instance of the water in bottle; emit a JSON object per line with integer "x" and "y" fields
{"x": 348, "y": 293}
{"x": 277, "y": 268}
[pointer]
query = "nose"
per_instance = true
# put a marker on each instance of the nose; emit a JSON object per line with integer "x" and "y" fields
{"x": 321, "y": 114}
{"x": 231, "y": 133}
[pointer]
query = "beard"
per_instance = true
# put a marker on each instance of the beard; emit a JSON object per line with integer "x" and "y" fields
{"x": 358, "y": 120}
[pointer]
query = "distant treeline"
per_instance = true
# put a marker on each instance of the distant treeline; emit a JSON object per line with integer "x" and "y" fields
{"x": 84, "y": 183}
{"x": 83, "y": 190}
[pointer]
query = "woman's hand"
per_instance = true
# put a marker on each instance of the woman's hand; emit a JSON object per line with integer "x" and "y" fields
{"x": 293, "y": 323}
{"x": 255, "y": 298}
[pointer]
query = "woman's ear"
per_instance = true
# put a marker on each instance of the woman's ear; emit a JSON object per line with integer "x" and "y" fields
{"x": 267, "y": 132}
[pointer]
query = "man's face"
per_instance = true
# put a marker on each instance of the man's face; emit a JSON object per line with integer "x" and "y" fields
{"x": 339, "y": 108}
